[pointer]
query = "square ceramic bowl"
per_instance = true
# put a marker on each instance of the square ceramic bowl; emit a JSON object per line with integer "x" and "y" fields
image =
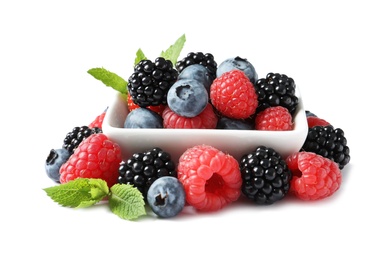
{"x": 176, "y": 141}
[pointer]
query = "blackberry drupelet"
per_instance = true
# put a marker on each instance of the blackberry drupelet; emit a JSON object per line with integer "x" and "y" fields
{"x": 328, "y": 142}
{"x": 206, "y": 60}
{"x": 265, "y": 176}
{"x": 142, "y": 169}
{"x": 276, "y": 90}
{"x": 150, "y": 82}
{"x": 77, "y": 135}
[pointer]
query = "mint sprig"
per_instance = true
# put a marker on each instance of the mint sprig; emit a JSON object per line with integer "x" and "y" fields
{"x": 79, "y": 193}
{"x": 173, "y": 52}
{"x": 139, "y": 55}
{"x": 124, "y": 200}
{"x": 110, "y": 79}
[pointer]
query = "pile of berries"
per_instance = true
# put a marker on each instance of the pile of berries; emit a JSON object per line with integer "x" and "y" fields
{"x": 197, "y": 93}
{"x": 202, "y": 95}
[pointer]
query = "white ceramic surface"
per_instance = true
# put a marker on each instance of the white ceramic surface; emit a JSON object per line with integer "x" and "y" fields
{"x": 176, "y": 141}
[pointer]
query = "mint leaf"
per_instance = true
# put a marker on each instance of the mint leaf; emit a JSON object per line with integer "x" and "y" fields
{"x": 139, "y": 56}
{"x": 78, "y": 193}
{"x": 173, "y": 52}
{"x": 99, "y": 188}
{"x": 110, "y": 79}
{"x": 126, "y": 201}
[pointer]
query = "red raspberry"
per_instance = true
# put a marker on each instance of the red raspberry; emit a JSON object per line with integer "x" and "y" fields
{"x": 130, "y": 103}
{"x": 314, "y": 177}
{"x": 207, "y": 119}
{"x": 233, "y": 95}
{"x": 131, "y": 106}
{"x": 211, "y": 178}
{"x": 95, "y": 157}
{"x": 276, "y": 118}
{"x": 98, "y": 120}
{"x": 313, "y": 121}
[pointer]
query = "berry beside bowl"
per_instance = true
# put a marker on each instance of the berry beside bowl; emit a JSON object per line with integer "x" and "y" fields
{"x": 176, "y": 141}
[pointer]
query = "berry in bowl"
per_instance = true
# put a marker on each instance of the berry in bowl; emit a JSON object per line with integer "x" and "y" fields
{"x": 228, "y": 112}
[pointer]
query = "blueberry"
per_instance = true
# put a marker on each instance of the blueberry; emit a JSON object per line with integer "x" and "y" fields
{"x": 228, "y": 123}
{"x": 197, "y": 72}
{"x": 240, "y": 64}
{"x": 54, "y": 161}
{"x": 143, "y": 118}
{"x": 187, "y": 97}
{"x": 309, "y": 113}
{"x": 166, "y": 197}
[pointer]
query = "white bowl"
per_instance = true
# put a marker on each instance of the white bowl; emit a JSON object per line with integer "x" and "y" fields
{"x": 175, "y": 141}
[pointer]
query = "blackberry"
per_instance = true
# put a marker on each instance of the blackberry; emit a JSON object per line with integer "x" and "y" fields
{"x": 142, "y": 169}
{"x": 150, "y": 82}
{"x": 77, "y": 135}
{"x": 276, "y": 90}
{"x": 207, "y": 60}
{"x": 328, "y": 142}
{"x": 265, "y": 176}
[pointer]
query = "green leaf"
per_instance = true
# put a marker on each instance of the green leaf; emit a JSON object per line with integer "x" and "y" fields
{"x": 139, "y": 56}
{"x": 78, "y": 193}
{"x": 110, "y": 79}
{"x": 126, "y": 201}
{"x": 99, "y": 188}
{"x": 173, "y": 52}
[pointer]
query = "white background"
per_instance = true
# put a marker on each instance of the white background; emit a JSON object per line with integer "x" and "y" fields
{"x": 337, "y": 52}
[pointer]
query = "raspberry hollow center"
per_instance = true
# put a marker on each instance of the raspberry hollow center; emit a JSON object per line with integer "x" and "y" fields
{"x": 214, "y": 184}
{"x": 296, "y": 172}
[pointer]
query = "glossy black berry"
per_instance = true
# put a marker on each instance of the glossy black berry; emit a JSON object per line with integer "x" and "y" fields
{"x": 142, "y": 169}
{"x": 265, "y": 175}
{"x": 207, "y": 60}
{"x": 276, "y": 90}
{"x": 150, "y": 82}
{"x": 77, "y": 135}
{"x": 328, "y": 142}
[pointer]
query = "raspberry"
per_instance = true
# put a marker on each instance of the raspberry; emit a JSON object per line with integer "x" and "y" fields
{"x": 274, "y": 119}
{"x": 314, "y": 177}
{"x": 207, "y": 119}
{"x": 96, "y": 157}
{"x": 77, "y": 135}
{"x": 142, "y": 169}
{"x": 211, "y": 178}
{"x": 97, "y": 123}
{"x": 130, "y": 103}
{"x": 265, "y": 175}
{"x": 313, "y": 121}
{"x": 131, "y": 106}
{"x": 233, "y": 95}
{"x": 328, "y": 142}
